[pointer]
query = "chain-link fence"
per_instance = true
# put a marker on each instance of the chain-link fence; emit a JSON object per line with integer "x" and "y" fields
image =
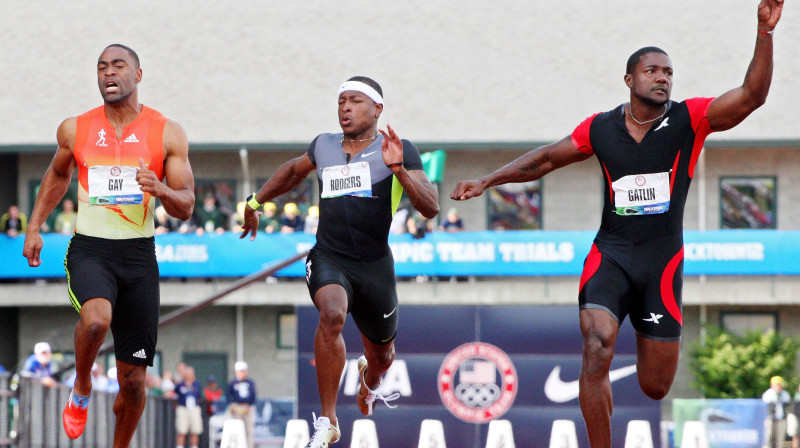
{"x": 31, "y": 418}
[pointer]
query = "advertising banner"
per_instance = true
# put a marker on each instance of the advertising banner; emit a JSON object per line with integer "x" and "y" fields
{"x": 469, "y": 365}
{"x": 510, "y": 253}
{"x": 729, "y": 423}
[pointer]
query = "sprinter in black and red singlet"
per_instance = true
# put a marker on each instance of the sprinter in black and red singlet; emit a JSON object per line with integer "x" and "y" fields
{"x": 362, "y": 173}
{"x": 647, "y": 150}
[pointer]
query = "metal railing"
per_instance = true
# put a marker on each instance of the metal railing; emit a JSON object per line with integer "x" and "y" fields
{"x": 30, "y": 413}
{"x": 36, "y": 422}
{"x": 7, "y": 400}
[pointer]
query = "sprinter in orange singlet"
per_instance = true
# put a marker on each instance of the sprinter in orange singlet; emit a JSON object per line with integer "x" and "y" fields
{"x": 123, "y": 151}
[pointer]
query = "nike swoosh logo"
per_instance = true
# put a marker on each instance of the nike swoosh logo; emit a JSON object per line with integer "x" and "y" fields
{"x": 392, "y": 312}
{"x": 663, "y": 124}
{"x": 368, "y": 154}
{"x": 561, "y": 392}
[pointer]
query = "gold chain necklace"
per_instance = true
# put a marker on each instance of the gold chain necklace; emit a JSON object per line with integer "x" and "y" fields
{"x": 342, "y": 140}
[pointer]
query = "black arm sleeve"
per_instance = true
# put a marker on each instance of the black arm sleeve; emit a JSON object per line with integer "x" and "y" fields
{"x": 411, "y": 158}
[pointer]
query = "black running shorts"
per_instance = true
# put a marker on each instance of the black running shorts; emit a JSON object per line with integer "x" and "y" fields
{"x": 641, "y": 280}
{"x": 371, "y": 290}
{"x": 125, "y": 273}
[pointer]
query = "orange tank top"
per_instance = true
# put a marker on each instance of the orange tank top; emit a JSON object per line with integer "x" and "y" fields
{"x": 110, "y": 204}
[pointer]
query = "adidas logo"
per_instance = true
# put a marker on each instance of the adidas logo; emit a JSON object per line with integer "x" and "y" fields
{"x": 131, "y": 139}
{"x": 140, "y": 353}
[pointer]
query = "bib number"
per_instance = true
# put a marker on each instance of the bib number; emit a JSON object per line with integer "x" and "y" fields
{"x": 347, "y": 180}
{"x": 641, "y": 194}
{"x": 110, "y": 185}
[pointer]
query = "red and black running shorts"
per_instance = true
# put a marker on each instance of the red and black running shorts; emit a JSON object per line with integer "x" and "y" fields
{"x": 641, "y": 280}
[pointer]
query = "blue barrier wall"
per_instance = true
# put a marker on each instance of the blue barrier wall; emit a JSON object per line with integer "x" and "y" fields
{"x": 510, "y": 253}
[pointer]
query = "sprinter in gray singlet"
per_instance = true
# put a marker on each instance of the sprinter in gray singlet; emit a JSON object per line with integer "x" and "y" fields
{"x": 362, "y": 173}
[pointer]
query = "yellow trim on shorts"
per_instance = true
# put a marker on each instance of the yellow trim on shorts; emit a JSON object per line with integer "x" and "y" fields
{"x": 74, "y": 300}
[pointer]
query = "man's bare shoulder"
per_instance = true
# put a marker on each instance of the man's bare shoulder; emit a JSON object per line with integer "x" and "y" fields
{"x": 66, "y": 132}
{"x": 175, "y": 139}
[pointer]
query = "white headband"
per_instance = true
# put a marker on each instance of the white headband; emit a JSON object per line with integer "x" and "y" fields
{"x": 363, "y": 88}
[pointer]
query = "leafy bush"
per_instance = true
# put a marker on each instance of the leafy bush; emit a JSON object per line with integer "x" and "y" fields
{"x": 729, "y": 366}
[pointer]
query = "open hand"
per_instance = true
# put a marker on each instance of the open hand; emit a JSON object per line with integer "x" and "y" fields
{"x": 392, "y": 148}
{"x": 250, "y": 224}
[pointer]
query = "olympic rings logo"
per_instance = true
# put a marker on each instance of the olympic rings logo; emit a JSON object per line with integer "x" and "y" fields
{"x": 468, "y": 382}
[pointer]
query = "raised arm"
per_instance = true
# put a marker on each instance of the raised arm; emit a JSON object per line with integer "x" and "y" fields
{"x": 735, "y": 105}
{"x": 177, "y": 195}
{"x": 530, "y": 166}
{"x": 417, "y": 186}
{"x": 54, "y": 185}
{"x": 286, "y": 177}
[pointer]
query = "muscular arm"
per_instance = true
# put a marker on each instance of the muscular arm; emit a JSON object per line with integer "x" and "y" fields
{"x": 530, "y": 166}
{"x": 732, "y": 107}
{"x": 177, "y": 196}
{"x": 419, "y": 189}
{"x": 54, "y": 185}
{"x": 286, "y": 177}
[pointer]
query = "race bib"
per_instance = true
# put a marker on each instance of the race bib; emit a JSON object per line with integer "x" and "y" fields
{"x": 109, "y": 185}
{"x": 641, "y": 194}
{"x": 347, "y": 180}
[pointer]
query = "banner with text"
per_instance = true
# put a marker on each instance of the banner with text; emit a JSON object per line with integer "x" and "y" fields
{"x": 469, "y": 365}
{"x": 729, "y": 423}
{"x": 509, "y": 253}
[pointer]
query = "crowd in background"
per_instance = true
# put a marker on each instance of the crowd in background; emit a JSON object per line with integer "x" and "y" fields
{"x": 209, "y": 216}
{"x": 191, "y": 398}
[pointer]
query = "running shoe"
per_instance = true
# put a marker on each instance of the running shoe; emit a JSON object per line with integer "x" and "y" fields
{"x": 366, "y": 397}
{"x": 74, "y": 418}
{"x": 325, "y": 434}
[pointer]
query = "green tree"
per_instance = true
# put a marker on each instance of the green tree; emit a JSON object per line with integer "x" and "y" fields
{"x": 729, "y": 366}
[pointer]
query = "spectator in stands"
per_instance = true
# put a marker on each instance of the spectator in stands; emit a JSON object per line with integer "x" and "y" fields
{"x": 99, "y": 379}
{"x": 167, "y": 384}
{"x": 271, "y": 223}
{"x": 398, "y": 225}
{"x": 793, "y": 420}
{"x": 419, "y": 226}
{"x": 153, "y": 384}
{"x": 237, "y": 219}
{"x": 163, "y": 222}
{"x": 38, "y": 364}
{"x": 188, "y": 416}
{"x": 211, "y": 394}
{"x": 241, "y": 398}
{"x": 312, "y": 220}
{"x": 13, "y": 222}
{"x": 291, "y": 221}
{"x": 65, "y": 221}
{"x": 208, "y": 217}
{"x": 452, "y": 222}
{"x": 778, "y": 401}
{"x": 180, "y": 372}
{"x": 113, "y": 381}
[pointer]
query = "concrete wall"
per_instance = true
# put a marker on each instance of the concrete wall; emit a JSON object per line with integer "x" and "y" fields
{"x": 469, "y": 70}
